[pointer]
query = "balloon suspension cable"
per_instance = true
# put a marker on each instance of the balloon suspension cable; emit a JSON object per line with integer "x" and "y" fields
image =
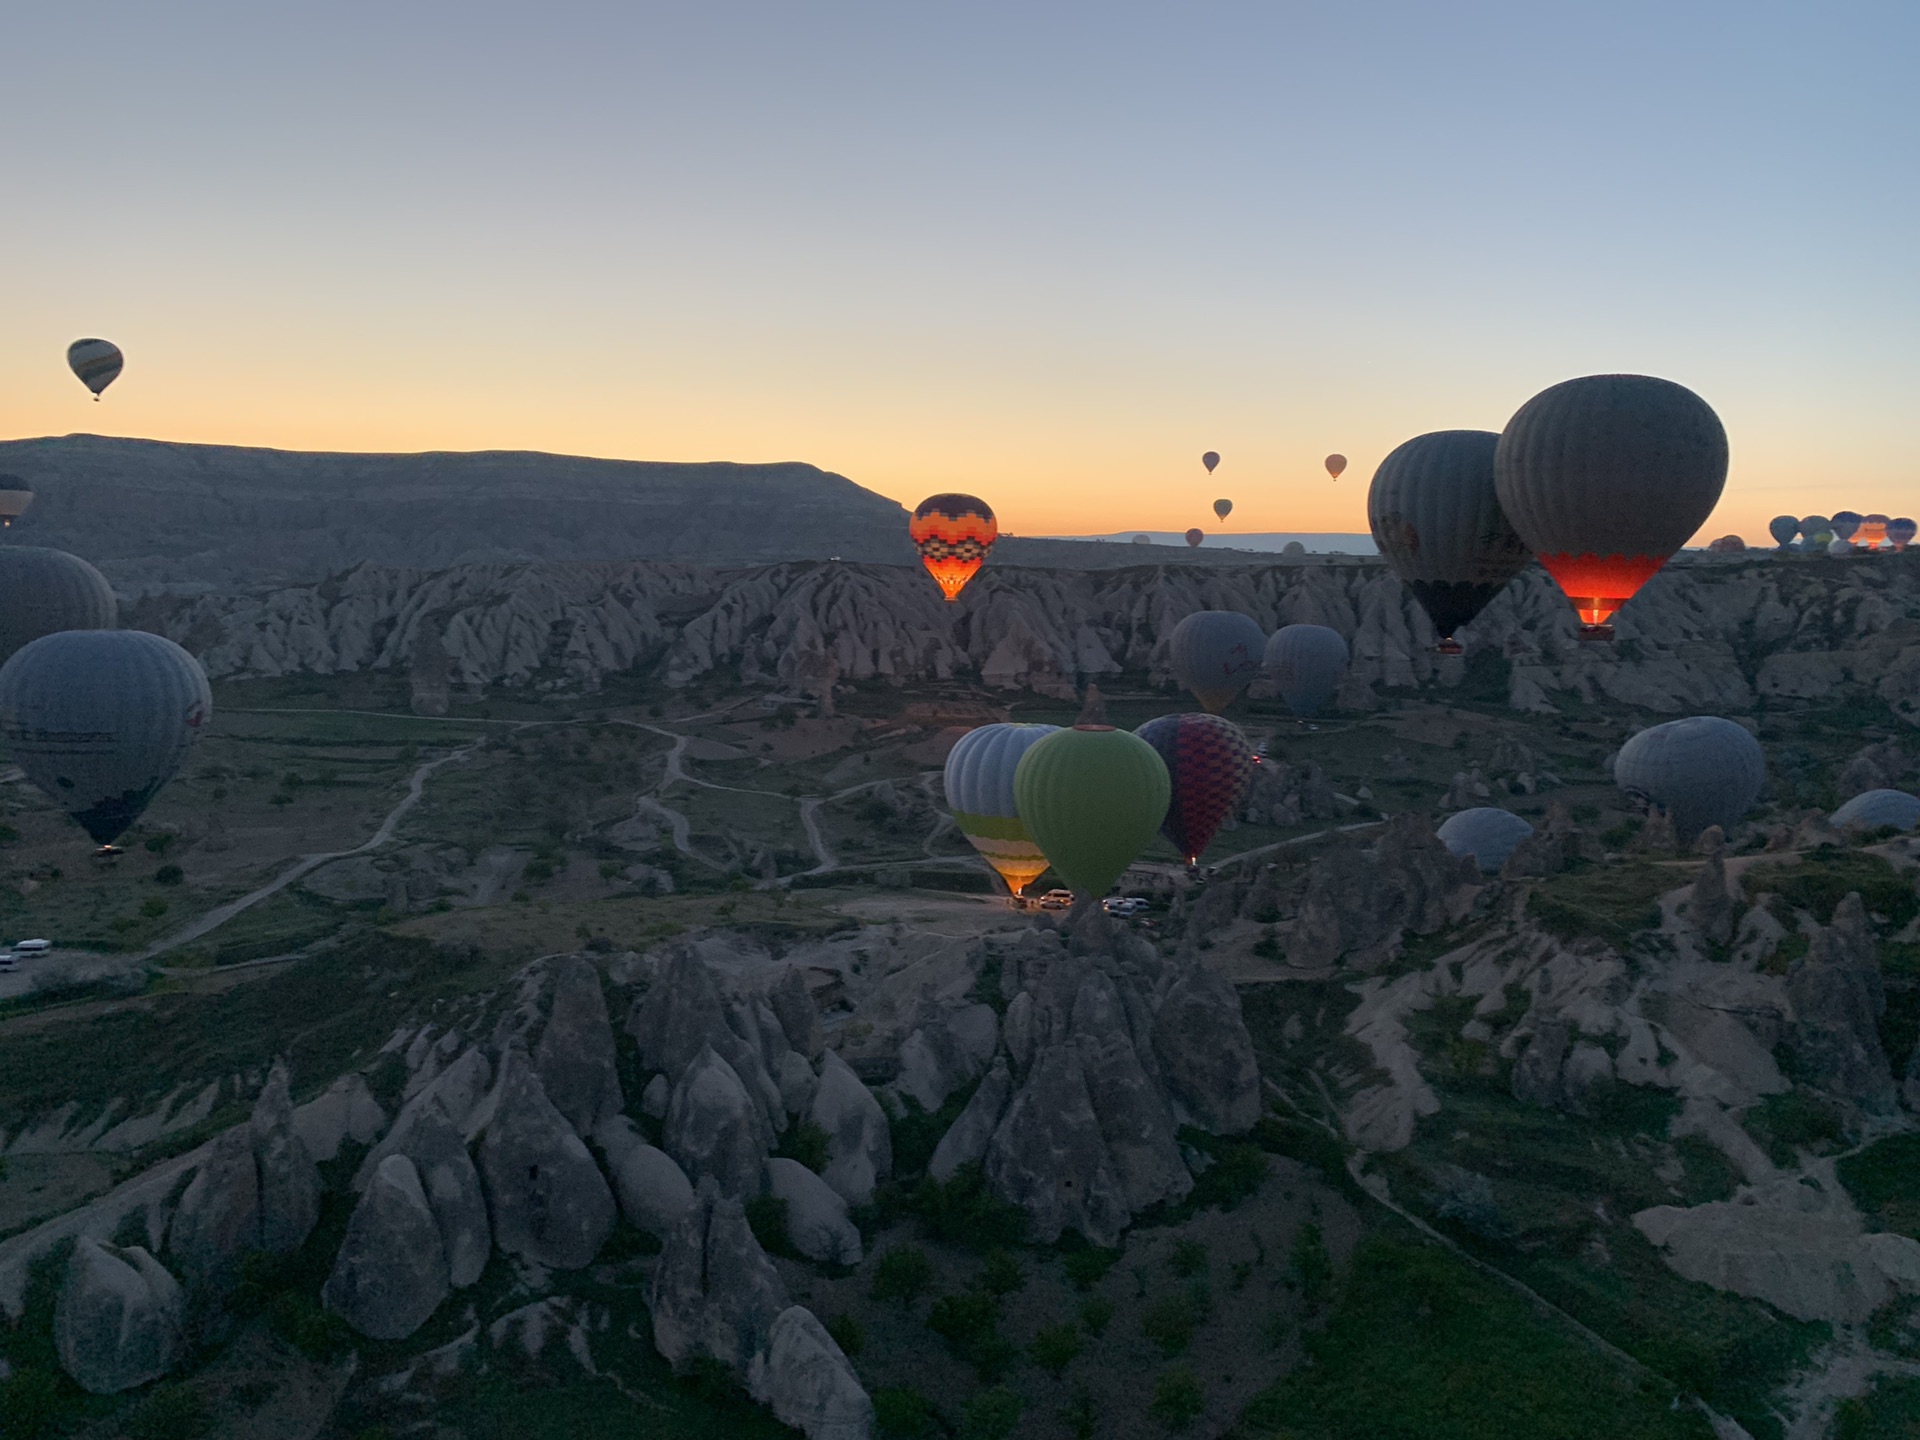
{"x": 1601, "y": 634}
{"x": 1449, "y": 646}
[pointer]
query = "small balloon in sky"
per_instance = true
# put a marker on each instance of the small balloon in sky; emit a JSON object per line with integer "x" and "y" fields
{"x": 1210, "y": 459}
{"x": 97, "y": 363}
{"x": 1195, "y": 536}
{"x": 1335, "y": 464}
{"x": 1223, "y": 508}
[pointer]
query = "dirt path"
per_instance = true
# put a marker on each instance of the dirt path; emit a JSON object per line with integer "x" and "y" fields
{"x": 215, "y": 918}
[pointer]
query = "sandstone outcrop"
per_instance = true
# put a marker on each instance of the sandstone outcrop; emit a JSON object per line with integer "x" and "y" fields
{"x": 715, "y": 1293}
{"x": 713, "y": 1126}
{"x": 817, "y": 1222}
{"x": 546, "y": 1198}
{"x": 575, "y": 1057}
{"x": 859, "y": 1141}
{"x": 654, "y": 1192}
{"x": 118, "y": 1320}
{"x": 391, "y": 1273}
{"x": 806, "y": 1380}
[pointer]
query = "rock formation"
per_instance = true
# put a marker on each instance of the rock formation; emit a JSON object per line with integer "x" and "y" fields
{"x": 117, "y": 1322}
{"x": 288, "y": 1178}
{"x": 654, "y": 1192}
{"x": 713, "y": 1127}
{"x": 391, "y": 1273}
{"x": 575, "y": 1058}
{"x": 715, "y": 1292}
{"x": 859, "y": 1141}
{"x": 806, "y": 1381}
{"x": 817, "y": 1222}
{"x": 545, "y": 1195}
{"x": 1838, "y": 996}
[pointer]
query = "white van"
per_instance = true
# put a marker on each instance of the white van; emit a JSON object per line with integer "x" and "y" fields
{"x": 32, "y": 947}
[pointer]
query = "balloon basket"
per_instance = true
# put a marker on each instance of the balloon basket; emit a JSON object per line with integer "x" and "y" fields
{"x": 1449, "y": 646}
{"x": 108, "y": 852}
{"x": 1601, "y": 634}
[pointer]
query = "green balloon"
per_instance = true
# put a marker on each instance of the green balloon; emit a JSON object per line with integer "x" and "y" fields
{"x": 1093, "y": 798}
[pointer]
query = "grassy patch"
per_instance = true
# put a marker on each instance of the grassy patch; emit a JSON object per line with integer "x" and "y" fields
{"x": 1891, "y": 1412}
{"x": 1884, "y": 1180}
{"x": 1823, "y": 878}
{"x": 1607, "y": 902}
{"x": 1419, "y": 1347}
{"x": 1784, "y": 1124}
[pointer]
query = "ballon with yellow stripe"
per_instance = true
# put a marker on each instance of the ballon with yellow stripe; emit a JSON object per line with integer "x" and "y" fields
{"x": 979, "y": 783}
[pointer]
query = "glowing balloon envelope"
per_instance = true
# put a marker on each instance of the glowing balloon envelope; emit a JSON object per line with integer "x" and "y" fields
{"x": 1092, "y": 797}
{"x": 101, "y": 719}
{"x": 1208, "y": 765}
{"x": 979, "y": 784}
{"x": 1702, "y": 771}
{"x": 1485, "y": 834}
{"x": 1900, "y": 532}
{"x": 1222, "y": 509}
{"x": 1210, "y": 459}
{"x": 43, "y": 592}
{"x": 1216, "y": 654}
{"x": 1872, "y": 533}
{"x": 1195, "y": 536}
{"x": 954, "y": 534}
{"x": 1306, "y": 662}
{"x": 1436, "y": 518}
{"x": 1783, "y": 528}
{"x": 1605, "y": 477}
{"x": 15, "y": 496}
{"x": 97, "y": 363}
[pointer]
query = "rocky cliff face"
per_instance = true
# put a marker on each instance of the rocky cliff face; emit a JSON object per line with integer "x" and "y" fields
{"x": 1702, "y": 636}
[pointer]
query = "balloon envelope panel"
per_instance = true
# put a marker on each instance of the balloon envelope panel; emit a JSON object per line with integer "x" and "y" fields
{"x": 979, "y": 785}
{"x": 1874, "y": 809}
{"x": 953, "y": 534}
{"x": 1844, "y": 524}
{"x": 45, "y": 591}
{"x": 1093, "y": 798}
{"x": 97, "y": 363}
{"x": 1306, "y": 662}
{"x": 101, "y": 719}
{"x": 1783, "y": 528}
{"x": 1900, "y": 532}
{"x": 1209, "y": 764}
{"x": 1436, "y": 517}
{"x": 1485, "y": 834}
{"x": 1702, "y": 771}
{"x": 1216, "y": 654}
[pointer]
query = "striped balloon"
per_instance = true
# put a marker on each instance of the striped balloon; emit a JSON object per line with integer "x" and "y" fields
{"x": 96, "y": 362}
{"x": 43, "y": 592}
{"x": 979, "y": 785}
{"x": 101, "y": 719}
{"x": 954, "y": 534}
{"x": 1209, "y": 764}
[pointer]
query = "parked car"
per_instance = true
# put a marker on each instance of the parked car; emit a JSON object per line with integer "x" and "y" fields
{"x": 1057, "y": 900}
{"x": 32, "y": 947}
{"x": 1124, "y": 905}
{"x": 8, "y": 960}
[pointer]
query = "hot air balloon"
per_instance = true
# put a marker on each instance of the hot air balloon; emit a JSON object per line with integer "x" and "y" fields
{"x": 1900, "y": 532}
{"x": 1783, "y": 528}
{"x": 1702, "y": 771}
{"x": 1811, "y": 526}
{"x": 1605, "y": 477}
{"x": 1877, "y": 809}
{"x": 1216, "y": 654}
{"x": 1208, "y": 765}
{"x": 101, "y": 719}
{"x": 979, "y": 783}
{"x": 954, "y": 533}
{"x": 1844, "y": 524}
{"x": 1485, "y": 834}
{"x": 1210, "y": 459}
{"x": 1817, "y": 541}
{"x": 1305, "y": 662}
{"x": 1092, "y": 797}
{"x": 1727, "y": 545}
{"x": 1872, "y": 532}
{"x": 1222, "y": 509}
{"x": 1335, "y": 464}
{"x": 43, "y": 592}
{"x": 1195, "y": 536}
{"x": 96, "y": 362}
{"x": 15, "y": 496}
{"x": 1436, "y": 518}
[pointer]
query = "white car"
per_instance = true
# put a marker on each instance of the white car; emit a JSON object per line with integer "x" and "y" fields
{"x": 1057, "y": 900}
{"x": 1125, "y": 904}
{"x": 32, "y": 947}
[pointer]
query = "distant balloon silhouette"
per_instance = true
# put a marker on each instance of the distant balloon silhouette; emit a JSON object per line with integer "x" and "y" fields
{"x": 1210, "y": 459}
{"x": 1437, "y": 520}
{"x": 954, "y": 534}
{"x": 1222, "y": 508}
{"x": 100, "y": 719}
{"x": 1877, "y": 809}
{"x": 1305, "y": 662}
{"x": 1783, "y": 528}
{"x": 1728, "y": 545}
{"x": 1209, "y": 764}
{"x": 1872, "y": 532}
{"x": 1195, "y": 536}
{"x": 1216, "y": 654}
{"x": 15, "y": 496}
{"x": 1335, "y": 464}
{"x": 1900, "y": 532}
{"x": 1844, "y": 524}
{"x": 1605, "y": 477}
{"x": 1485, "y": 834}
{"x": 97, "y": 363}
{"x": 43, "y": 592}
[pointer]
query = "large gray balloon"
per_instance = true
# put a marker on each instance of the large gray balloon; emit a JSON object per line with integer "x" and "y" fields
{"x": 1437, "y": 519}
{"x": 1305, "y": 662}
{"x": 1216, "y": 654}
{"x": 101, "y": 719}
{"x": 1875, "y": 809}
{"x": 1486, "y": 834}
{"x": 1702, "y": 771}
{"x": 43, "y": 591}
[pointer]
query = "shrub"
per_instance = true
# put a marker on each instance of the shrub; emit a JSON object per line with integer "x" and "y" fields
{"x": 153, "y": 907}
{"x": 767, "y": 1218}
{"x": 316, "y": 1333}
{"x": 1086, "y": 1265}
{"x": 1055, "y": 1347}
{"x": 965, "y": 1212}
{"x": 1189, "y": 1259}
{"x": 1311, "y": 1265}
{"x": 1177, "y": 1399}
{"x": 1168, "y": 1322}
{"x": 847, "y": 1333}
{"x": 905, "y": 1414}
{"x": 1096, "y": 1313}
{"x": 30, "y": 1402}
{"x": 174, "y": 1411}
{"x": 1002, "y": 1274}
{"x": 169, "y": 875}
{"x": 990, "y": 1415}
{"x": 1082, "y": 1419}
{"x": 902, "y": 1274}
{"x": 807, "y": 1143}
{"x": 969, "y": 1323}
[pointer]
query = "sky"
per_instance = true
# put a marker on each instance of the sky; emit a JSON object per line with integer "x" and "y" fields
{"x": 1044, "y": 252}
